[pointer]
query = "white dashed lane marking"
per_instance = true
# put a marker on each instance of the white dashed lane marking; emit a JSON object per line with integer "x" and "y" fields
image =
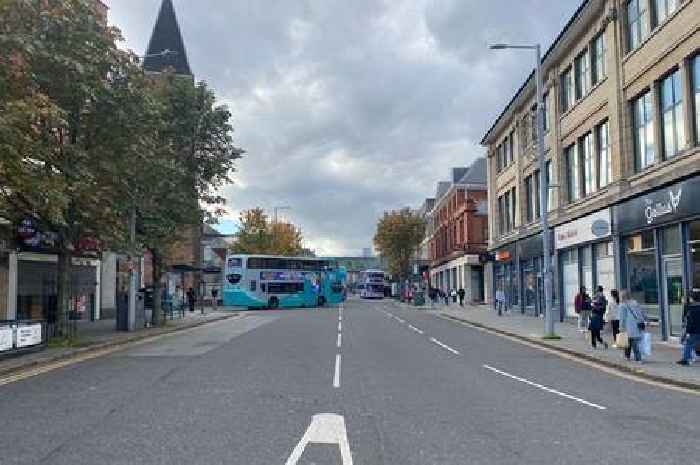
{"x": 444, "y": 346}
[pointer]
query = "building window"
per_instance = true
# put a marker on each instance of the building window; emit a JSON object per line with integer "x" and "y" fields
{"x": 545, "y": 112}
{"x": 583, "y": 75}
{"x": 550, "y": 191}
{"x": 499, "y": 160}
{"x": 506, "y": 152}
{"x": 637, "y": 29}
{"x": 598, "y": 57}
{"x": 572, "y": 172}
{"x": 513, "y": 207}
{"x": 529, "y": 212}
{"x": 511, "y": 142}
{"x": 567, "y": 91}
{"x": 696, "y": 81}
{"x": 533, "y": 124}
{"x": 603, "y": 158}
{"x": 643, "y": 132}
{"x": 588, "y": 172}
{"x": 672, "y": 114}
{"x": 663, "y": 9}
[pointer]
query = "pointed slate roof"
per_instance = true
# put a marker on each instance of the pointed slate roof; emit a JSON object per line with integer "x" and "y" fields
{"x": 166, "y": 36}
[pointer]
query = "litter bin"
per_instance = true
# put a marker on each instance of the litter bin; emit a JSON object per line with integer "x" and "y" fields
{"x": 419, "y": 298}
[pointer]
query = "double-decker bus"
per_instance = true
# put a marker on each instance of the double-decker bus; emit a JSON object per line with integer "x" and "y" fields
{"x": 266, "y": 281}
{"x": 372, "y": 284}
{"x": 333, "y": 285}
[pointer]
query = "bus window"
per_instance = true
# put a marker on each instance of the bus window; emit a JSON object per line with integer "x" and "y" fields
{"x": 262, "y": 287}
{"x": 285, "y": 288}
{"x": 235, "y": 262}
{"x": 253, "y": 285}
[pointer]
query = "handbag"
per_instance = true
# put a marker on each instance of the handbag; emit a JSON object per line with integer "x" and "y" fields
{"x": 622, "y": 341}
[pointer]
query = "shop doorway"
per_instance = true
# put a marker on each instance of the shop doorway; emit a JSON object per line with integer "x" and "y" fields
{"x": 672, "y": 274}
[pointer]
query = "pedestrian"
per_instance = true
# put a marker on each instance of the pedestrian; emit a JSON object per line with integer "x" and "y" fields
{"x": 597, "y": 322}
{"x": 691, "y": 328}
{"x": 500, "y": 301}
{"x": 446, "y": 297}
{"x": 614, "y": 315}
{"x": 453, "y": 294}
{"x": 582, "y": 305}
{"x": 190, "y": 299}
{"x": 633, "y": 322}
{"x": 461, "y": 294}
{"x": 215, "y": 297}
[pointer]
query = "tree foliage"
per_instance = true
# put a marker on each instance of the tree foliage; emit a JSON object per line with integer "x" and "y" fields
{"x": 398, "y": 235}
{"x": 258, "y": 235}
{"x": 87, "y": 140}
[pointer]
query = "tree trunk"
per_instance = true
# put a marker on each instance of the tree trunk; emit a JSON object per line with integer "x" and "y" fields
{"x": 157, "y": 288}
{"x": 65, "y": 268}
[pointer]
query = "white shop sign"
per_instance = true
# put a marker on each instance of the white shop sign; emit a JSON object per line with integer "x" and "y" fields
{"x": 5, "y": 338}
{"x": 589, "y": 228}
{"x": 28, "y": 335}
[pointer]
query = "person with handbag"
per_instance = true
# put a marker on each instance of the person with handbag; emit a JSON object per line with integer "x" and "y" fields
{"x": 582, "y": 305}
{"x": 691, "y": 327}
{"x": 600, "y": 304}
{"x": 633, "y": 323}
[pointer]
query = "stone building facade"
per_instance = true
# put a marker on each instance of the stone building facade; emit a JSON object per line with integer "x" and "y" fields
{"x": 622, "y": 125}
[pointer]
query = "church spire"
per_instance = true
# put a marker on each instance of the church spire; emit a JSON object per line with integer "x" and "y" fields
{"x": 166, "y": 48}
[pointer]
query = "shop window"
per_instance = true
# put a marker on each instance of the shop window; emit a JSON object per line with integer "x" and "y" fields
{"x": 694, "y": 245}
{"x": 605, "y": 266}
{"x": 641, "y": 271}
{"x": 671, "y": 241}
{"x": 570, "y": 279}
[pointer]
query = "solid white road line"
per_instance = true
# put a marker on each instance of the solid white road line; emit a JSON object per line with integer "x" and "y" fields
{"x": 545, "y": 388}
{"x": 340, "y": 326}
{"x": 326, "y": 428}
{"x": 415, "y": 329}
{"x": 340, "y": 339}
{"x": 444, "y": 346}
{"x": 336, "y": 376}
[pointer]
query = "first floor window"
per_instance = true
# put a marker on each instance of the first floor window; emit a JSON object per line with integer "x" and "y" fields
{"x": 513, "y": 206}
{"x": 572, "y": 172}
{"x": 528, "y": 199}
{"x": 643, "y": 132}
{"x": 696, "y": 85}
{"x": 603, "y": 159}
{"x": 598, "y": 57}
{"x": 550, "y": 191}
{"x": 672, "y": 114}
{"x": 637, "y": 23}
{"x": 567, "y": 91}
{"x": 588, "y": 172}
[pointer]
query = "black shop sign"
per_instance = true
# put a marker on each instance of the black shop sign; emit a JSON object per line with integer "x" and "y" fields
{"x": 666, "y": 205}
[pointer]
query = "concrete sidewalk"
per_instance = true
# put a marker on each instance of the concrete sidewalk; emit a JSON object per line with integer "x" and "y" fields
{"x": 102, "y": 334}
{"x": 661, "y": 366}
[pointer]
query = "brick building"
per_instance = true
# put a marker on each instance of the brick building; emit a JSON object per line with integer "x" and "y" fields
{"x": 622, "y": 120}
{"x": 458, "y": 232}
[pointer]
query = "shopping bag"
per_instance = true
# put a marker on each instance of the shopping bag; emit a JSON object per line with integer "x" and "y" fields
{"x": 622, "y": 341}
{"x": 645, "y": 344}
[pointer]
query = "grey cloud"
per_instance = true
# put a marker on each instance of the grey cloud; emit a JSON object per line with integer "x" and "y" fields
{"x": 350, "y": 108}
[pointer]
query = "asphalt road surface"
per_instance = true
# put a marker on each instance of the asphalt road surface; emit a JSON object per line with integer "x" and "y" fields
{"x": 372, "y": 383}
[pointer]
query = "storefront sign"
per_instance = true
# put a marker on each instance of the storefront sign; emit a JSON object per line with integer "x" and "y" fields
{"x": 662, "y": 206}
{"x": 589, "y": 228}
{"x": 5, "y": 338}
{"x": 532, "y": 246}
{"x": 28, "y": 335}
{"x": 503, "y": 256}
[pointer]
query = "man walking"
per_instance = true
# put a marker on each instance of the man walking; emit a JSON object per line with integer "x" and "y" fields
{"x": 190, "y": 299}
{"x": 691, "y": 320}
{"x": 461, "y": 294}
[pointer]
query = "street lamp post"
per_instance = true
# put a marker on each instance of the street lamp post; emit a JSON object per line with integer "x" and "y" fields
{"x": 544, "y": 188}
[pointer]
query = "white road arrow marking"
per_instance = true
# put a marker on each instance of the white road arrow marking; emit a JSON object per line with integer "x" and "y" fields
{"x": 325, "y": 428}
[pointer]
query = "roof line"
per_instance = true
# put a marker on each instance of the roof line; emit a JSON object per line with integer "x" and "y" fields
{"x": 550, "y": 50}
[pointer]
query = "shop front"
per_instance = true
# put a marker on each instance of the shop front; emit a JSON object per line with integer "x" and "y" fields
{"x": 586, "y": 257}
{"x": 660, "y": 246}
{"x": 505, "y": 275}
{"x": 531, "y": 261}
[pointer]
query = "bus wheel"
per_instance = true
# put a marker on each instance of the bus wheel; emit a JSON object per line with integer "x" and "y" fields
{"x": 273, "y": 303}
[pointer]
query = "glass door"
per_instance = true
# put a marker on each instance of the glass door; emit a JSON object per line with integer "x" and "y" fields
{"x": 673, "y": 293}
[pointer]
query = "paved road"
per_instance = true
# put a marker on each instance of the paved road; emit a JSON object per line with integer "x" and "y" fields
{"x": 411, "y": 389}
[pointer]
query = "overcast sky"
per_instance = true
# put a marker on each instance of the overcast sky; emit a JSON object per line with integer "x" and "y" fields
{"x": 348, "y": 108}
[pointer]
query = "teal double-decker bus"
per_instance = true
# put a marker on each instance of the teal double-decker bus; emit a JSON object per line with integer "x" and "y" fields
{"x": 265, "y": 281}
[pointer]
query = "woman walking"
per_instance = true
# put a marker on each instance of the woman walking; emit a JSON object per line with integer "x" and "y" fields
{"x": 582, "y": 304}
{"x": 600, "y": 304}
{"x": 633, "y": 322}
{"x": 614, "y": 314}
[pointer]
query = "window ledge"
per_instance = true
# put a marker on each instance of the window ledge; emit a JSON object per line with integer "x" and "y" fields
{"x": 685, "y": 153}
{"x": 578, "y": 101}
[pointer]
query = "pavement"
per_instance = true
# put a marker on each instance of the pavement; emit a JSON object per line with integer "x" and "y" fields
{"x": 102, "y": 334}
{"x": 660, "y": 366}
{"x": 371, "y": 383}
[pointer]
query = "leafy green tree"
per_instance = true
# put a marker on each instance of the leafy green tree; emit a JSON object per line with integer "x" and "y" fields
{"x": 398, "y": 235}
{"x": 62, "y": 80}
